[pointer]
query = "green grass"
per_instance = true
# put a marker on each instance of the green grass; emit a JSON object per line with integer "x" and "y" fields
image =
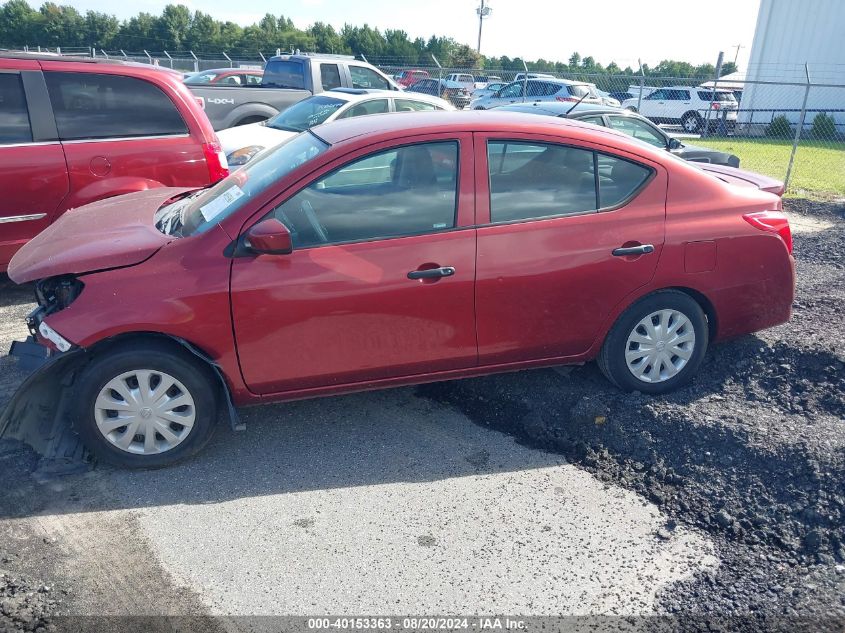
{"x": 819, "y": 169}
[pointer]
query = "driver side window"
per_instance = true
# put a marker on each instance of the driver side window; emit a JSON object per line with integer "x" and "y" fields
{"x": 404, "y": 191}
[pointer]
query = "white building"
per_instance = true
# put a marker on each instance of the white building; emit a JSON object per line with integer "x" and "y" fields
{"x": 790, "y": 34}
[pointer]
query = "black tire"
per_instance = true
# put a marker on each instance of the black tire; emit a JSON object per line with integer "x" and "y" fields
{"x": 197, "y": 378}
{"x": 478, "y": 108}
{"x": 691, "y": 122}
{"x": 611, "y": 359}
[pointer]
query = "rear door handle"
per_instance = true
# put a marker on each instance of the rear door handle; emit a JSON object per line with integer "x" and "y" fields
{"x": 642, "y": 249}
{"x": 432, "y": 273}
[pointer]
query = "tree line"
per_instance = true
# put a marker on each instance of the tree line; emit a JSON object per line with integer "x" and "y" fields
{"x": 177, "y": 28}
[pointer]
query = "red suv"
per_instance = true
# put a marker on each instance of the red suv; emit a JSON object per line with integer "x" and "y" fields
{"x": 387, "y": 250}
{"x": 73, "y": 131}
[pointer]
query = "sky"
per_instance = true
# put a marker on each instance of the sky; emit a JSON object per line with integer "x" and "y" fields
{"x": 609, "y": 30}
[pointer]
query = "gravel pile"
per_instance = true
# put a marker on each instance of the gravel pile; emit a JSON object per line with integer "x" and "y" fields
{"x": 752, "y": 453}
{"x": 25, "y": 606}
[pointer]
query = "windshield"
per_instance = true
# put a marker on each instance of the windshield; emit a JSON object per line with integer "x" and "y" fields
{"x": 200, "y": 210}
{"x": 305, "y": 114}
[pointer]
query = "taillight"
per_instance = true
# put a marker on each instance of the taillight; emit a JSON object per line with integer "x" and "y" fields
{"x": 715, "y": 106}
{"x": 218, "y": 168}
{"x": 565, "y": 99}
{"x": 773, "y": 222}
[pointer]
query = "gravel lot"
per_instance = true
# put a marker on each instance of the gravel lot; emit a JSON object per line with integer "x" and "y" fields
{"x": 723, "y": 501}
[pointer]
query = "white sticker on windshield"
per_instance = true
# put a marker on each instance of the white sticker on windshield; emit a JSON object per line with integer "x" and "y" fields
{"x": 220, "y": 203}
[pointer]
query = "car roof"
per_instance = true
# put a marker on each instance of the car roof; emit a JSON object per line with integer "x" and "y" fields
{"x": 418, "y": 123}
{"x": 56, "y": 57}
{"x": 75, "y": 59}
{"x": 230, "y": 70}
{"x": 556, "y": 108}
{"x": 301, "y": 56}
{"x": 353, "y": 95}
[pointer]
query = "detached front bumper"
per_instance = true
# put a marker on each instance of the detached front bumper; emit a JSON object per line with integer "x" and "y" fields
{"x": 31, "y": 354}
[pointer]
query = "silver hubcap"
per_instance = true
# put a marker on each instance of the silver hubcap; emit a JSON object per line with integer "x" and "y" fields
{"x": 660, "y": 346}
{"x": 145, "y": 412}
{"x": 691, "y": 124}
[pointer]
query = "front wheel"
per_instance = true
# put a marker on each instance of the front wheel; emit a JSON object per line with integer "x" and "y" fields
{"x": 657, "y": 345}
{"x": 145, "y": 405}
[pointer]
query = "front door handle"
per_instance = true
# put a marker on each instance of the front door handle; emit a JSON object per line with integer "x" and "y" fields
{"x": 642, "y": 249}
{"x": 432, "y": 273}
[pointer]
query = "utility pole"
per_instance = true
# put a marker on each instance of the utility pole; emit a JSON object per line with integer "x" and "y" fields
{"x": 736, "y": 57}
{"x": 483, "y": 11}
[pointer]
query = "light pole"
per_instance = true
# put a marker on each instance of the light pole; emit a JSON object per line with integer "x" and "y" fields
{"x": 483, "y": 11}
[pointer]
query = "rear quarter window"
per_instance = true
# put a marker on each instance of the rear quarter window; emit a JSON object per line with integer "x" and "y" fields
{"x": 14, "y": 117}
{"x": 284, "y": 73}
{"x": 91, "y": 106}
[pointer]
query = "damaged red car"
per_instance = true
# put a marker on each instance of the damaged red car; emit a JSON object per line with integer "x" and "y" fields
{"x": 392, "y": 250}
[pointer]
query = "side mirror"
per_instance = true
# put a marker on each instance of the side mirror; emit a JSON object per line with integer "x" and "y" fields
{"x": 675, "y": 144}
{"x": 269, "y": 237}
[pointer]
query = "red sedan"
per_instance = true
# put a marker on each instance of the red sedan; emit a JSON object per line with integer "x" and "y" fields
{"x": 390, "y": 250}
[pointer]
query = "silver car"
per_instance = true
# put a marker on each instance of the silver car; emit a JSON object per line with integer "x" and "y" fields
{"x": 535, "y": 90}
{"x": 489, "y": 89}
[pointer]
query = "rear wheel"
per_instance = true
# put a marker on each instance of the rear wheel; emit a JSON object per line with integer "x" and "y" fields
{"x": 145, "y": 405}
{"x": 691, "y": 122}
{"x": 657, "y": 345}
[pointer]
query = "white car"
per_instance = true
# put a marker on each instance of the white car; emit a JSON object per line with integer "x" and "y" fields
{"x": 242, "y": 143}
{"x": 537, "y": 90}
{"x": 687, "y": 106}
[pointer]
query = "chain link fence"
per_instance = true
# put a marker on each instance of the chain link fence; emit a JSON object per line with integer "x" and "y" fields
{"x": 788, "y": 122}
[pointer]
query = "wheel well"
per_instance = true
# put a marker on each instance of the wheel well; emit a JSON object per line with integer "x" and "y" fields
{"x": 177, "y": 345}
{"x": 251, "y": 119}
{"x": 706, "y": 305}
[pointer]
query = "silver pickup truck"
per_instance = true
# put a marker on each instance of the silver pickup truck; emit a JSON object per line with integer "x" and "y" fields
{"x": 286, "y": 80}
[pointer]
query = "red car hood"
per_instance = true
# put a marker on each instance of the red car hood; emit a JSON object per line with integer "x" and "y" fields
{"x": 743, "y": 178}
{"x": 107, "y": 234}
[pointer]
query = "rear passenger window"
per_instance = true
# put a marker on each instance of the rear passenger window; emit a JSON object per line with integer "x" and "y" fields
{"x": 540, "y": 180}
{"x": 411, "y": 105}
{"x": 89, "y": 106}
{"x": 14, "y": 118}
{"x": 329, "y": 76}
{"x": 536, "y": 180}
{"x": 404, "y": 191}
{"x": 619, "y": 179}
{"x": 375, "y": 106}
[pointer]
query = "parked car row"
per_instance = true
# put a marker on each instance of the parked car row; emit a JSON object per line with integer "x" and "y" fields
{"x": 286, "y": 79}
{"x": 241, "y": 144}
{"x": 537, "y": 90}
{"x": 632, "y": 124}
